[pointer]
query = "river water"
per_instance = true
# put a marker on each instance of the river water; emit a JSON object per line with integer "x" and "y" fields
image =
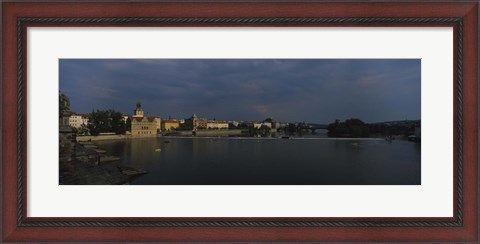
{"x": 257, "y": 161}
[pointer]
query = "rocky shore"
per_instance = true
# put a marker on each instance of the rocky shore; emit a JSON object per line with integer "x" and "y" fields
{"x": 85, "y": 164}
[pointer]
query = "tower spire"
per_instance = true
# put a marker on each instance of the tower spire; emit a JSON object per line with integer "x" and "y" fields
{"x": 138, "y": 112}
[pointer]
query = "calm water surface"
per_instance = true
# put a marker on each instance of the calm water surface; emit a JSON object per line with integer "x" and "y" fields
{"x": 252, "y": 161}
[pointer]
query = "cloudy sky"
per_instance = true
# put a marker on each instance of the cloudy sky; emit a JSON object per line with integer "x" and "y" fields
{"x": 310, "y": 90}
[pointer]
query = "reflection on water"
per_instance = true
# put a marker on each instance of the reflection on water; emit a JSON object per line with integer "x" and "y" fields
{"x": 251, "y": 161}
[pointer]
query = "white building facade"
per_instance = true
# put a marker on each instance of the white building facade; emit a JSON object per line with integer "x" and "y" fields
{"x": 217, "y": 125}
{"x": 77, "y": 120}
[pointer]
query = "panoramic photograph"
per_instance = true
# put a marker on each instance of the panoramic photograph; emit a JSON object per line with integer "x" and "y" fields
{"x": 240, "y": 121}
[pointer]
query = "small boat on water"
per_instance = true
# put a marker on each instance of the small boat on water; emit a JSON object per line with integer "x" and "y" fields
{"x": 158, "y": 149}
{"x": 413, "y": 138}
{"x": 285, "y": 137}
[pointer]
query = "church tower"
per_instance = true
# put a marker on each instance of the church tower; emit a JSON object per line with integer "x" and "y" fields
{"x": 138, "y": 112}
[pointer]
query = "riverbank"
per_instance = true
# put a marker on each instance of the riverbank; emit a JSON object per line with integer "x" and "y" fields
{"x": 238, "y": 133}
{"x": 200, "y": 133}
{"x": 78, "y": 173}
{"x": 86, "y": 164}
{"x": 207, "y": 133}
{"x": 111, "y": 137}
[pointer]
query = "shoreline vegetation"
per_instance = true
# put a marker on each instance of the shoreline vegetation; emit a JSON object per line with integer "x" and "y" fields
{"x": 350, "y": 129}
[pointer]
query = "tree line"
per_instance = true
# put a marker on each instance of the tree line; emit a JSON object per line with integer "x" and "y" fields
{"x": 105, "y": 121}
{"x": 353, "y": 128}
{"x": 357, "y": 128}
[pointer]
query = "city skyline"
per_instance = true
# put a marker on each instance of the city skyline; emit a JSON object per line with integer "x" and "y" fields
{"x": 312, "y": 90}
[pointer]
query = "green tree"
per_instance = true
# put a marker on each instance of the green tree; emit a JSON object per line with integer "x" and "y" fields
{"x": 264, "y": 131}
{"x": 128, "y": 124}
{"x": 83, "y": 130}
{"x": 244, "y": 125}
{"x": 232, "y": 126}
{"x": 102, "y": 121}
{"x": 117, "y": 123}
{"x": 350, "y": 128}
{"x": 291, "y": 128}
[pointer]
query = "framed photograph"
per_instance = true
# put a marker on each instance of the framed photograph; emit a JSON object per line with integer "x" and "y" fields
{"x": 255, "y": 121}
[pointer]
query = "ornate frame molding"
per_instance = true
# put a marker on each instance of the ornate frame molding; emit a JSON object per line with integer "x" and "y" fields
{"x": 24, "y": 22}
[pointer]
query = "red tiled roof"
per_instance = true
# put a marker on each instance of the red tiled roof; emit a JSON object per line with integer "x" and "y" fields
{"x": 138, "y": 119}
{"x": 150, "y": 119}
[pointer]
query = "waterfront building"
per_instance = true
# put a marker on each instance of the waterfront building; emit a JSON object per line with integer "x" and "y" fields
{"x": 195, "y": 123}
{"x": 77, "y": 120}
{"x": 257, "y": 125}
{"x": 158, "y": 123}
{"x": 169, "y": 124}
{"x": 142, "y": 126}
{"x": 217, "y": 125}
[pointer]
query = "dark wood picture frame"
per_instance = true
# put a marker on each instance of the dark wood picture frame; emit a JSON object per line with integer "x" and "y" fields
{"x": 18, "y": 16}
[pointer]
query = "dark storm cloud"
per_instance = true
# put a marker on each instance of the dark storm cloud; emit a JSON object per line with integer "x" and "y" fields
{"x": 312, "y": 90}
